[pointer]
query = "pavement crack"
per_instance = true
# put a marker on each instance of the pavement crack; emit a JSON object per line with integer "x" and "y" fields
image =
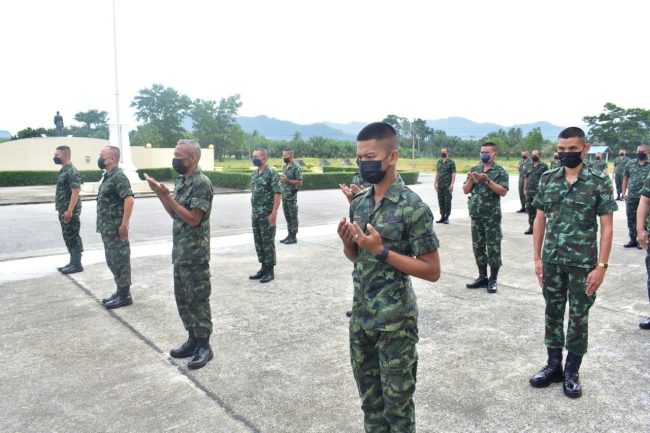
{"x": 195, "y": 382}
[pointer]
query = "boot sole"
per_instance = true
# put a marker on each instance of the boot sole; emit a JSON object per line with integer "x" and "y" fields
{"x": 201, "y": 365}
{"x": 181, "y": 355}
{"x": 545, "y": 384}
{"x": 120, "y": 305}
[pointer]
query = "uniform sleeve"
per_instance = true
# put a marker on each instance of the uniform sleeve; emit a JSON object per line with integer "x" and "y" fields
{"x": 298, "y": 173}
{"x": 626, "y": 170}
{"x": 202, "y": 197}
{"x": 453, "y": 167}
{"x": 503, "y": 178}
{"x": 606, "y": 203}
{"x": 123, "y": 186}
{"x": 645, "y": 191}
{"x": 276, "y": 186}
{"x": 538, "y": 201}
{"x": 422, "y": 238}
{"x": 74, "y": 179}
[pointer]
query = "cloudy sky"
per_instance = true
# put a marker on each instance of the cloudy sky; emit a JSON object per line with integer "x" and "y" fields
{"x": 496, "y": 61}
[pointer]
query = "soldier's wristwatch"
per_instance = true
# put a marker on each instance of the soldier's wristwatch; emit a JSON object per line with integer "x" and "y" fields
{"x": 383, "y": 255}
{"x": 602, "y": 265}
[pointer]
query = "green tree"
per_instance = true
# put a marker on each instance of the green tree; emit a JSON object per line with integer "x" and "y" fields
{"x": 619, "y": 127}
{"x": 95, "y": 124}
{"x": 146, "y": 134}
{"x": 32, "y": 133}
{"x": 534, "y": 140}
{"x": 217, "y": 124}
{"x": 165, "y": 108}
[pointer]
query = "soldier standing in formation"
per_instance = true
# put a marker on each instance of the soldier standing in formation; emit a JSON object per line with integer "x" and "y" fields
{"x": 487, "y": 182}
{"x": 636, "y": 171}
{"x": 570, "y": 201}
{"x": 388, "y": 238}
{"x": 600, "y": 163}
{"x": 114, "y": 207}
{"x": 555, "y": 163}
{"x": 190, "y": 209}
{"x": 291, "y": 181}
{"x": 265, "y": 200}
{"x": 619, "y": 171}
{"x": 444, "y": 184}
{"x": 642, "y": 222}
{"x": 68, "y": 206}
{"x": 523, "y": 164}
{"x": 533, "y": 174}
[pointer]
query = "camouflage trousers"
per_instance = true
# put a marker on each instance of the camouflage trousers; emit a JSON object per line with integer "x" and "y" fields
{"x": 385, "y": 368}
{"x": 71, "y": 236}
{"x": 444, "y": 200}
{"x": 647, "y": 270}
{"x": 631, "y": 206}
{"x": 264, "y": 236}
{"x": 532, "y": 210}
{"x": 618, "y": 179}
{"x": 192, "y": 290}
{"x": 562, "y": 283}
{"x": 486, "y": 241}
{"x": 522, "y": 196}
{"x": 118, "y": 259}
{"x": 290, "y": 209}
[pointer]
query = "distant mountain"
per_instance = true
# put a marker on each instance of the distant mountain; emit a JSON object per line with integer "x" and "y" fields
{"x": 351, "y": 128}
{"x": 467, "y": 129}
{"x": 276, "y": 129}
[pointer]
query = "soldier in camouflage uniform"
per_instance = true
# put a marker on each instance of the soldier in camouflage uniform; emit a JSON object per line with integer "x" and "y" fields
{"x": 571, "y": 201}
{"x": 388, "y": 238}
{"x": 523, "y": 164}
{"x": 68, "y": 206}
{"x": 642, "y": 223}
{"x": 265, "y": 201}
{"x": 533, "y": 174}
{"x": 487, "y": 182}
{"x": 599, "y": 163}
{"x": 114, "y": 208}
{"x": 619, "y": 171}
{"x": 190, "y": 209}
{"x": 636, "y": 171}
{"x": 444, "y": 184}
{"x": 291, "y": 181}
{"x": 555, "y": 163}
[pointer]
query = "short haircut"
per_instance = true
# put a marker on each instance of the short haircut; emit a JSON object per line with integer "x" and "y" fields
{"x": 379, "y": 131}
{"x": 489, "y": 144}
{"x": 288, "y": 149}
{"x": 573, "y": 132}
{"x": 264, "y": 152}
{"x": 645, "y": 146}
{"x": 115, "y": 151}
{"x": 536, "y": 150}
{"x": 64, "y": 150}
{"x": 445, "y": 149}
{"x": 193, "y": 146}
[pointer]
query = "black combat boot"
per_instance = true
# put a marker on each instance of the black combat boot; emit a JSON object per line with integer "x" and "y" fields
{"x": 110, "y": 298}
{"x": 441, "y": 220}
{"x": 572, "y": 387}
{"x": 202, "y": 354}
{"x": 522, "y": 210}
{"x": 481, "y": 281}
{"x": 74, "y": 266}
{"x": 529, "y": 231}
{"x": 186, "y": 349}
{"x": 291, "y": 239}
{"x": 285, "y": 239}
{"x": 446, "y": 221}
{"x": 122, "y": 299}
{"x": 492, "y": 282}
{"x": 65, "y": 266}
{"x": 552, "y": 371}
{"x": 645, "y": 324}
{"x": 632, "y": 244}
{"x": 259, "y": 273}
{"x": 268, "y": 275}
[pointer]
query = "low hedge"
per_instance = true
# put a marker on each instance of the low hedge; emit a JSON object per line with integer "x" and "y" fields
{"x": 340, "y": 169}
{"x": 42, "y": 177}
{"x": 224, "y": 179}
{"x": 160, "y": 174}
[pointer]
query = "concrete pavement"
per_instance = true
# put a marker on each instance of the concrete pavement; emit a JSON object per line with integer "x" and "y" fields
{"x": 281, "y": 353}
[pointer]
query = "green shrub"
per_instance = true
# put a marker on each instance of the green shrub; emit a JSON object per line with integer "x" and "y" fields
{"x": 331, "y": 169}
{"x": 160, "y": 174}
{"x": 224, "y": 179}
{"x": 47, "y": 177}
{"x": 90, "y": 175}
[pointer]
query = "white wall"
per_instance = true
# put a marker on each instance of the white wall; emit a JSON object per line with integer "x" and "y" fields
{"x": 37, "y": 153}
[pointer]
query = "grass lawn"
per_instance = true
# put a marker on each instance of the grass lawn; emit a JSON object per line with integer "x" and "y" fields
{"x": 422, "y": 165}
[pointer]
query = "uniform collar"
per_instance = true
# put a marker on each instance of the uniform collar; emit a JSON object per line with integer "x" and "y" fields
{"x": 188, "y": 180}
{"x": 393, "y": 192}
{"x": 582, "y": 175}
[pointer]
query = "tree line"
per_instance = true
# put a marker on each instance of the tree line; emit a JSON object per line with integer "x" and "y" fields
{"x": 164, "y": 111}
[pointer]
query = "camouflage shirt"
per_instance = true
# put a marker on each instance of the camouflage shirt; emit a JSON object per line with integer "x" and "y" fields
{"x": 358, "y": 180}
{"x": 445, "y": 170}
{"x": 113, "y": 189}
{"x": 383, "y": 296}
{"x": 484, "y": 202}
{"x": 534, "y": 174}
{"x": 571, "y": 213}
{"x": 555, "y": 163}
{"x": 636, "y": 174}
{"x": 619, "y": 164}
{"x": 645, "y": 192}
{"x": 523, "y": 165}
{"x": 264, "y": 187}
{"x": 599, "y": 165}
{"x": 292, "y": 172}
{"x": 192, "y": 244}
{"x": 69, "y": 179}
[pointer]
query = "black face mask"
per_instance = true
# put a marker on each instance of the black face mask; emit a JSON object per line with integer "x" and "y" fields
{"x": 57, "y": 160}
{"x": 371, "y": 171}
{"x": 443, "y": 154}
{"x": 101, "y": 163}
{"x": 535, "y": 158}
{"x": 177, "y": 164}
{"x": 621, "y": 154}
{"x": 286, "y": 160}
{"x": 641, "y": 155}
{"x": 524, "y": 157}
{"x": 570, "y": 159}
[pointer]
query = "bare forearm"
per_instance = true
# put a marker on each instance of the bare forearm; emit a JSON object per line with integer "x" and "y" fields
{"x": 128, "y": 210}
{"x": 74, "y": 198}
{"x": 606, "y": 235}
{"x": 351, "y": 253}
{"x": 277, "y": 198}
{"x": 499, "y": 189}
{"x": 539, "y": 227}
{"x": 415, "y": 266}
{"x": 642, "y": 212}
{"x": 467, "y": 186}
{"x": 624, "y": 186}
